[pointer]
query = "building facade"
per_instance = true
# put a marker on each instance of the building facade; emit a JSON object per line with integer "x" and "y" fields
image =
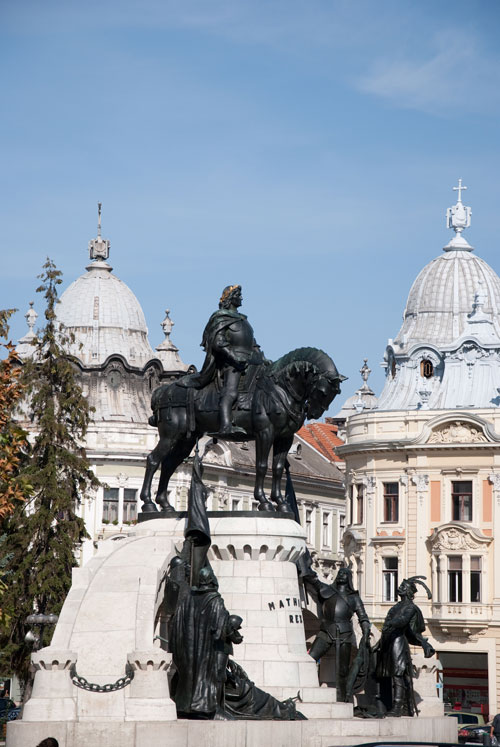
{"x": 423, "y": 469}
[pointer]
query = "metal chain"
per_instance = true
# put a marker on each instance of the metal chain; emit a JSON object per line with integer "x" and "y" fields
{"x": 93, "y": 687}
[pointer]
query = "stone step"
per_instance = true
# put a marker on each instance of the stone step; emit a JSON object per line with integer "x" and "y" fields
{"x": 315, "y": 695}
{"x": 325, "y": 710}
{"x": 314, "y": 733}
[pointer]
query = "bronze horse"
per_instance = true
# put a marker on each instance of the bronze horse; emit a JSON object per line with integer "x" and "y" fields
{"x": 300, "y": 385}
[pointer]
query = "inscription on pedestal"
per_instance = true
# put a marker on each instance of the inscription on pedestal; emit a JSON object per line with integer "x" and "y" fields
{"x": 284, "y": 604}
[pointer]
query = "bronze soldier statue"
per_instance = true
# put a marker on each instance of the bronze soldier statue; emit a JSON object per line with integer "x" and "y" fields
{"x": 404, "y": 625}
{"x": 230, "y": 347}
{"x": 339, "y": 603}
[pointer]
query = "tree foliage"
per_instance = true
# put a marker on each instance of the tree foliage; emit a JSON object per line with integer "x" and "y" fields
{"x": 41, "y": 537}
{"x": 13, "y": 439}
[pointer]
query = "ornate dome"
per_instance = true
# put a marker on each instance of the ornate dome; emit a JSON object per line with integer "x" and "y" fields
{"x": 447, "y": 352}
{"x": 442, "y": 297}
{"x": 103, "y": 313}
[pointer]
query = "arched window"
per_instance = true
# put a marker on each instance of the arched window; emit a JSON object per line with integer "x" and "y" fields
{"x": 426, "y": 369}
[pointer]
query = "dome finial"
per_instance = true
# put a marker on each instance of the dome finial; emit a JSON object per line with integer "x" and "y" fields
{"x": 99, "y": 247}
{"x": 167, "y": 325}
{"x": 458, "y": 218}
{"x": 31, "y": 316}
{"x": 167, "y": 352}
{"x": 365, "y": 372}
{"x": 26, "y": 346}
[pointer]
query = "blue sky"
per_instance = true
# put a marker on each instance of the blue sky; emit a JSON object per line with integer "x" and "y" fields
{"x": 305, "y": 149}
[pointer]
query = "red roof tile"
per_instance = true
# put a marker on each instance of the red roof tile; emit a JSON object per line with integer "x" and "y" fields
{"x": 323, "y": 437}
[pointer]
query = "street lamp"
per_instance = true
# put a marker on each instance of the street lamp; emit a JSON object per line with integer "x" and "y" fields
{"x": 38, "y": 620}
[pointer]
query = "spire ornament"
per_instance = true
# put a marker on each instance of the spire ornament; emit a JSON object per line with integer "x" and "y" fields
{"x": 458, "y": 218}
{"x": 31, "y": 316}
{"x": 99, "y": 247}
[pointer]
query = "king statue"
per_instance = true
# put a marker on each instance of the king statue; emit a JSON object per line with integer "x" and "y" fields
{"x": 230, "y": 347}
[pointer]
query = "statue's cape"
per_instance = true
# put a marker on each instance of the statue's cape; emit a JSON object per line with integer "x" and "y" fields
{"x": 196, "y": 638}
{"x": 217, "y": 323}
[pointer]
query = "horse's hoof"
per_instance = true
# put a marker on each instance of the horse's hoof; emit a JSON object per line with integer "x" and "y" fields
{"x": 167, "y": 508}
{"x": 266, "y": 506}
{"x": 284, "y": 508}
{"x": 149, "y": 508}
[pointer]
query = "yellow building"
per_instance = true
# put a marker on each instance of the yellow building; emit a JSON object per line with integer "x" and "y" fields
{"x": 423, "y": 469}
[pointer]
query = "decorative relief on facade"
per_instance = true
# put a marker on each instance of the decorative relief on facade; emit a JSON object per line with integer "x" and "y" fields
{"x": 370, "y": 483}
{"x": 457, "y": 432}
{"x": 121, "y": 479}
{"x": 494, "y": 478}
{"x": 324, "y": 567}
{"x": 456, "y": 538}
{"x": 353, "y": 544}
{"x": 422, "y": 483}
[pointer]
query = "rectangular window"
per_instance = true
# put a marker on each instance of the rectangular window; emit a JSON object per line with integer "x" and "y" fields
{"x": 326, "y": 530}
{"x": 455, "y": 578}
{"x": 390, "y": 579}
{"x": 360, "y": 499}
{"x": 391, "y": 501}
{"x": 351, "y": 505}
{"x": 129, "y": 505}
{"x": 341, "y": 525}
{"x": 235, "y": 504}
{"x": 461, "y": 498}
{"x": 110, "y": 505}
{"x": 475, "y": 578}
{"x": 309, "y": 525}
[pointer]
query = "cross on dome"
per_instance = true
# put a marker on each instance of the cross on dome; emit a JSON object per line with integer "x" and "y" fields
{"x": 459, "y": 190}
{"x": 458, "y": 218}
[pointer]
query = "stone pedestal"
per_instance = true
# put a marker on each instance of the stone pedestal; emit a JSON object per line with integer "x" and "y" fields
{"x": 53, "y": 697}
{"x": 424, "y": 683}
{"x": 253, "y": 558}
{"x": 149, "y": 698}
{"x": 108, "y": 620}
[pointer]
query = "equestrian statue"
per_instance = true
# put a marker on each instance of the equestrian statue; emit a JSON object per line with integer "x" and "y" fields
{"x": 238, "y": 395}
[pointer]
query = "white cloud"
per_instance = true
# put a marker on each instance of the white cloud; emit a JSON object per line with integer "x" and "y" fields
{"x": 456, "y": 74}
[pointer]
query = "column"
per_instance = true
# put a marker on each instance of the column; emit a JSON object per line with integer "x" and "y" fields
{"x": 435, "y": 577}
{"x": 466, "y": 578}
{"x": 442, "y": 578}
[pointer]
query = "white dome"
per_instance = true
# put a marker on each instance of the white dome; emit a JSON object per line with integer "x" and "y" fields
{"x": 441, "y": 300}
{"x": 447, "y": 353}
{"x": 105, "y": 317}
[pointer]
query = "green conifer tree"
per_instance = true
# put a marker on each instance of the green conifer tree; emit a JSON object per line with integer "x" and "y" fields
{"x": 41, "y": 536}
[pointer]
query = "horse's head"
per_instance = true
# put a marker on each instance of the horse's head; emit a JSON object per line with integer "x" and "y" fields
{"x": 310, "y": 376}
{"x": 324, "y": 387}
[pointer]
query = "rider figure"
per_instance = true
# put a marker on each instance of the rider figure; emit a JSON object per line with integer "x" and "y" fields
{"x": 230, "y": 347}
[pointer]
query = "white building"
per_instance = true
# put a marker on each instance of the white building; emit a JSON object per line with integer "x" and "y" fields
{"x": 423, "y": 468}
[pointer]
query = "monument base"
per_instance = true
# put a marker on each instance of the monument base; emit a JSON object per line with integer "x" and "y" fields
{"x": 315, "y": 733}
{"x": 108, "y": 626}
